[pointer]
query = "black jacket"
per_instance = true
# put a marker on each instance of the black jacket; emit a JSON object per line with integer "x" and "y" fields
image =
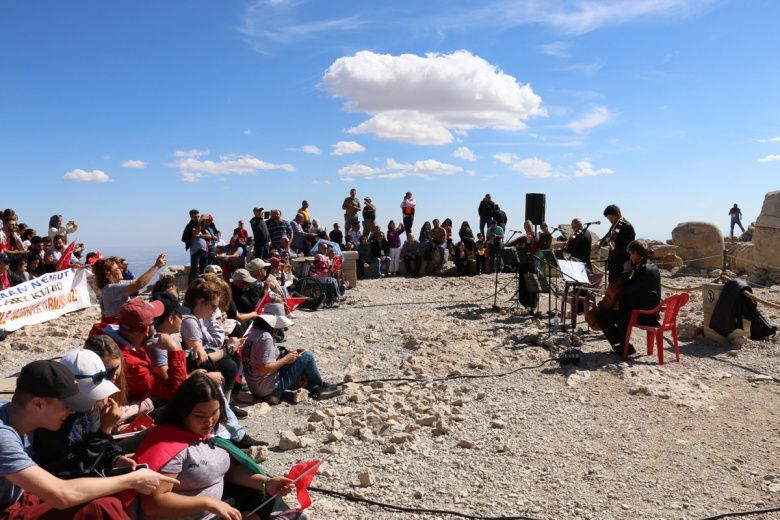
{"x": 260, "y": 231}
{"x": 579, "y": 247}
{"x": 486, "y": 208}
{"x": 186, "y": 235}
{"x": 380, "y": 248}
{"x": 732, "y": 306}
{"x": 500, "y": 217}
{"x": 641, "y": 287}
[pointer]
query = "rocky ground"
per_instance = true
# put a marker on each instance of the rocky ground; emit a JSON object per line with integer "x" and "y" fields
{"x": 606, "y": 439}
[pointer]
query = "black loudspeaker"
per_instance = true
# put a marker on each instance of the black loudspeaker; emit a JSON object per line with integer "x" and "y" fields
{"x": 534, "y": 207}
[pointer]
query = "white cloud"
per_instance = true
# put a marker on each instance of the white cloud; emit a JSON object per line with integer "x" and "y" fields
{"x": 506, "y": 157}
{"x": 194, "y": 153}
{"x": 570, "y": 16}
{"x": 769, "y": 158}
{"x": 557, "y": 49}
{"x": 396, "y": 170}
{"x": 534, "y": 168}
{"x": 347, "y": 148}
{"x": 307, "y": 148}
{"x": 585, "y": 169}
{"x": 598, "y": 116}
{"x": 80, "y": 175}
{"x": 248, "y": 131}
{"x": 425, "y": 99}
{"x": 193, "y": 169}
{"x": 770, "y": 140}
{"x": 586, "y": 69}
{"x": 465, "y": 154}
{"x": 135, "y": 164}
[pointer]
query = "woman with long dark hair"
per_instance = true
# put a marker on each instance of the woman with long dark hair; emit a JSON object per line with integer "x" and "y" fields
{"x": 184, "y": 448}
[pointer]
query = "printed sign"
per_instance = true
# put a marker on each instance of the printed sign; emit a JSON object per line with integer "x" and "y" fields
{"x": 43, "y": 299}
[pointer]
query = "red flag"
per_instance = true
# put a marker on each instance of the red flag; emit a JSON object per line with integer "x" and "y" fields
{"x": 66, "y": 255}
{"x": 294, "y": 302}
{"x": 262, "y": 303}
{"x": 303, "y": 474}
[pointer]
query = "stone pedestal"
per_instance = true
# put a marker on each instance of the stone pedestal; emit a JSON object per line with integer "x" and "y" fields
{"x": 349, "y": 267}
{"x": 710, "y": 295}
{"x": 700, "y": 244}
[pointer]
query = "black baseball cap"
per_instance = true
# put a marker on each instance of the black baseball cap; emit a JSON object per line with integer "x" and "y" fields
{"x": 171, "y": 304}
{"x": 45, "y": 378}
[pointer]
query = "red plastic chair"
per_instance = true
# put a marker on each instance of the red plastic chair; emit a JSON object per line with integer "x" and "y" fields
{"x": 671, "y": 307}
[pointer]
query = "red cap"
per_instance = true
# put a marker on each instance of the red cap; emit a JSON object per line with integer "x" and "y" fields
{"x": 138, "y": 314}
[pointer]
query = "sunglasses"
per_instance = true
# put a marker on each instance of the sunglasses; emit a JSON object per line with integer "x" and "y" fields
{"x": 100, "y": 376}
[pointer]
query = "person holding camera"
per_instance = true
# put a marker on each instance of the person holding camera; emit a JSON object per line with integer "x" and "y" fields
{"x": 57, "y": 228}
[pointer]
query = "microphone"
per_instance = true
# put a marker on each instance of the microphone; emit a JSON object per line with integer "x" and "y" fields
{"x": 516, "y": 230}
{"x": 594, "y": 223}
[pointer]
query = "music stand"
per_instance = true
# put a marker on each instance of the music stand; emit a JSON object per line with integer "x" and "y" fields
{"x": 575, "y": 277}
{"x": 548, "y": 258}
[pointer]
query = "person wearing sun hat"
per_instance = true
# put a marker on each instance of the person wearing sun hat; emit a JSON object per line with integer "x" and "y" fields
{"x": 44, "y": 395}
{"x": 267, "y": 374}
{"x": 83, "y": 445}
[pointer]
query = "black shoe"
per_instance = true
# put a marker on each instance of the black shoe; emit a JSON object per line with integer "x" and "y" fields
{"x": 326, "y": 391}
{"x": 247, "y": 442}
{"x": 240, "y": 412}
{"x": 618, "y": 349}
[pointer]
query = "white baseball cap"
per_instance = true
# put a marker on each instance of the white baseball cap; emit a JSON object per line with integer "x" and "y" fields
{"x": 92, "y": 378}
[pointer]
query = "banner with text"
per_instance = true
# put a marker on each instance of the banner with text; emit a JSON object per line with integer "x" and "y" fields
{"x": 43, "y": 299}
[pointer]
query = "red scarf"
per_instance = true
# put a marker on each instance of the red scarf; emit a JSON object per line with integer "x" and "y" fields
{"x": 158, "y": 448}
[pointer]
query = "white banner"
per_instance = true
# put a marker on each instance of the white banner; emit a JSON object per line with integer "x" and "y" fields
{"x": 43, "y": 299}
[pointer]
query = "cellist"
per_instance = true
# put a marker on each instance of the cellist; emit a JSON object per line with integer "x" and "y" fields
{"x": 640, "y": 287}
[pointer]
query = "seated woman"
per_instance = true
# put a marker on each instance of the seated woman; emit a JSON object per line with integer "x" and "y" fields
{"x": 183, "y": 448}
{"x": 268, "y": 375}
{"x": 321, "y": 271}
{"x": 111, "y": 356}
{"x": 114, "y": 290}
{"x": 461, "y": 259}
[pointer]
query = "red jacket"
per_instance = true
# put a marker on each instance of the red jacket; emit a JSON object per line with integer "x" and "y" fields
{"x": 141, "y": 382}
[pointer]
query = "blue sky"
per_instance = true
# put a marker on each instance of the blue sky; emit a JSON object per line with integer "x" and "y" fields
{"x": 124, "y": 115}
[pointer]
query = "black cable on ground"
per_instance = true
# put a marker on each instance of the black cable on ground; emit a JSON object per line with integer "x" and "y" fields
{"x": 417, "y": 510}
{"x": 743, "y": 513}
{"x": 449, "y": 378}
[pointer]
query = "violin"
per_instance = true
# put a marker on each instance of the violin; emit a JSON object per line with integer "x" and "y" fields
{"x": 609, "y": 239}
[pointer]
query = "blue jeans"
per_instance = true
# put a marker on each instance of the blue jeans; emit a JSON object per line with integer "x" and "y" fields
{"x": 331, "y": 286}
{"x": 408, "y": 222}
{"x": 304, "y": 366}
{"x": 379, "y": 263}
{"x": 198, "y": 263}
{"x": 483, "y": 222}
{"x": 232, "y": 428}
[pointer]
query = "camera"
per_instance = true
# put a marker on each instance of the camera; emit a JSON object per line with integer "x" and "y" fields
{"x": 266, "y": 215}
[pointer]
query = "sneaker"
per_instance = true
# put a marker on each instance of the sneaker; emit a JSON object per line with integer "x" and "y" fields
{"x": 239, "y": 412}
{"x": 247, "y": 442}
{"x": 326, "y": 391}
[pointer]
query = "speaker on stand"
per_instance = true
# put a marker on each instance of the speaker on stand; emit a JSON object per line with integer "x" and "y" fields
{"x": 534, "y": 207}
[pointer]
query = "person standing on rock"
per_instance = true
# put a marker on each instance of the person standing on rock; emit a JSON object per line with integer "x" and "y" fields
{"x": 407, "y": 210}
{"x": 486, "y": 209}
{"x": 351, "y": 207}
{"x": 736, "y": 218}
{"x": 369, "y": 216}
{"x": 617, "y": 239}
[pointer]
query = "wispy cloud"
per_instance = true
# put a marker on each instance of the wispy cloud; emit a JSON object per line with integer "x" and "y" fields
{"x": 266, "y": 23}
{"x": 307, "y": 148}
{"x": 460, "y": 92}
{"x": 596, "y": 117}
{"x": 571, "y": 17}
{"x": 465, "y": 154}
{"x": 586, "y": 69}
{"x": 396, "y": 170}
{"x": 586, "y": 169}
{"x": 535, "y": 168}
{"x": 556, "y": 49}
{"x": 193, "y": 153}
{"x": 248, "y": 131}
{"x": 135, "y": 164}
{"x": 769, "y": 158}
{"x": 506, "y": 157}
{"x": 79, "y": 175}
{"x": 192, "y": 168}
{"x": 770, "y": 140}
{"x": 347, "y": 148}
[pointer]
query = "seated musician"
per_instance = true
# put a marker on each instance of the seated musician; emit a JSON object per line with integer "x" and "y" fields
{"x": 579, "y": 243}
{"x": 640, "y": 287}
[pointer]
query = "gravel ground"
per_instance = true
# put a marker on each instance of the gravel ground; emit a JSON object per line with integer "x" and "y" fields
{"x": 603, "y": 440}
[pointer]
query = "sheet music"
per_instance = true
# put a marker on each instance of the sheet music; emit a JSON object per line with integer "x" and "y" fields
{"x": 574, "y": 271}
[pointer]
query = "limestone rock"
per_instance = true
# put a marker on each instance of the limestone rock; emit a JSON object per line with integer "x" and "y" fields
{"x": 741, "y": 257}
{"x": 288, "y": 441}
{"x": 700, "y": 244}
{"x": 465, "y": 443}
{"x": 366, "y": 478}
{"x": 766, "y": 237}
